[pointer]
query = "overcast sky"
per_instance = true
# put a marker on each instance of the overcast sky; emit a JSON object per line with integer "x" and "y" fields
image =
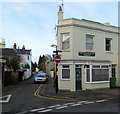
{"x": 32, "y": 23}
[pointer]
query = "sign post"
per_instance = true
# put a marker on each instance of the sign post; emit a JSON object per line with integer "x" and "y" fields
{"x": 57, "y": 60}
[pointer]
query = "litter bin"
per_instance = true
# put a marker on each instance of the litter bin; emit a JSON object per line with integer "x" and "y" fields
{"x": 112, "y": 82}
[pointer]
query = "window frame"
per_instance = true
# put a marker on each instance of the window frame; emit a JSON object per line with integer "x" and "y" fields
{"x": 91, "y": 36}
{"x": 110, "y": 48}
{"x": 91, "y": 76}
{"x": 62, "y": 42}
{"x": 64, "y": 69}
{"x": 113, "y": 66}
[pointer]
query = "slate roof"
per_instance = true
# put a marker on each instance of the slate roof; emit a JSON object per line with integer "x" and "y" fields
{"x": 20, "y": 51}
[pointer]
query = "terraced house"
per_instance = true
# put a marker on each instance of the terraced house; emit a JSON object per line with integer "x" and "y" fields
{"x": 90, "y": 54}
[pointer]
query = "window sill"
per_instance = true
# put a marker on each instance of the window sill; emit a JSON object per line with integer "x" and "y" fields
{"x": 97, "y": 82}
{"x": 66, "y": 50}
{"x": 89, "y": 50}
{"x": 65, "y": 79}
{"x": 110, "y": 52}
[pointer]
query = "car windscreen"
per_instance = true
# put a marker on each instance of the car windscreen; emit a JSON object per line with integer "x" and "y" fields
{"x": 42, "y": 76}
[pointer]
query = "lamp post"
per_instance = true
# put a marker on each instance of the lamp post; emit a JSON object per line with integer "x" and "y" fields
{"x": 56, "y": 70}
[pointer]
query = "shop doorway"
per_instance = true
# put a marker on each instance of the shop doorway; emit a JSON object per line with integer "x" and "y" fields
{"x": 78, "y": 71}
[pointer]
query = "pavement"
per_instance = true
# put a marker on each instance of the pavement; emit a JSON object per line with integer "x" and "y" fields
{"x": 48, "y": 91}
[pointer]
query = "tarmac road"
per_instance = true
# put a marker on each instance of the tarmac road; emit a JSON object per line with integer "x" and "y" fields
{"x": 24, "y": 99}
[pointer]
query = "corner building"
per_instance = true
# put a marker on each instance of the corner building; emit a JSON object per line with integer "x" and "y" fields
{"x": 90, "y": 54}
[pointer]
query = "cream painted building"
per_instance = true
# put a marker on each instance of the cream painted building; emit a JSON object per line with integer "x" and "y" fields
{"x": 90, "y": 54}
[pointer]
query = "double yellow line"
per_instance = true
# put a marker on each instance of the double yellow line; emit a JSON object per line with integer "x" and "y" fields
{"x": 37, "y": 91}
{"x": 38, "y": 94}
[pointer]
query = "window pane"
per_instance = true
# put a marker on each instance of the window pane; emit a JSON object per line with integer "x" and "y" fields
{"x": 108, "y": 48}
{"x": 89, "y": 42}
{"x": 88, "y": 75}
{"x": 65, "y": 44}
{"x": 65, "y": 36}
{"x": 113, "y": 71}
{"x": 108, "y": 44}
{"x": 108, "y": 41}
{"x": 65, "y": 40}
{"x": 104, "y": 66}
{"x": 89, "y": 46}
{"x": 100, "y": 75}
{"x": 87, "y": 66}
{"x": 65, "y": 66}
{"x": 65, "y": 73}
{"x": 96, "y": 66}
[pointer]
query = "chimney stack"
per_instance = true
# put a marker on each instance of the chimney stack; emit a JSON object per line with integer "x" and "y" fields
{"x": 23, "y": 48}
{"x": 60, "y": 14}
{"x": 14, "y": 46}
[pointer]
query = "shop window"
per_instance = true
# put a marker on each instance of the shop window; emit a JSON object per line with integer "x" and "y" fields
{"x": 65, "y": 72}
{"x": 100, "y": 75}
{"x": 65, "y": 40}
{"x": 97, "y": 73}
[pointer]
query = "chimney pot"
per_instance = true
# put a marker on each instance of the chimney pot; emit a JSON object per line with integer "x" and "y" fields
{"x": 14, "y": 46}
{"x": 23, "y": 48}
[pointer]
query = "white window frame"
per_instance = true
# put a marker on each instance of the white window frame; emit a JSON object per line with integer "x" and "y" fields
{"x": 63, "y": 41}
{"x": 90, "y": 68}
{"x": 65, "y": 68}
{"x": 110, "y": 44}
{"x": 92, "y": 36}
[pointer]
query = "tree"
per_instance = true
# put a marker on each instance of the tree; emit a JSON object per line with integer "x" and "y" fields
{"x": 41, "y": 63}
{"x": 34, "y": 65}
{"x": 12, "y": 59}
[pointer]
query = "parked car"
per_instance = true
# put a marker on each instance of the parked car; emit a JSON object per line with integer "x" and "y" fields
{"x": 41, "y": 78}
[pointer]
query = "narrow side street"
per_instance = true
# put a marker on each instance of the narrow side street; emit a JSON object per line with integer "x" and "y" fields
{"x": 23, "y": 99}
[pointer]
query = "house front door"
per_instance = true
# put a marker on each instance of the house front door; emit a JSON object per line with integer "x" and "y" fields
{"x": 78, "y": 79}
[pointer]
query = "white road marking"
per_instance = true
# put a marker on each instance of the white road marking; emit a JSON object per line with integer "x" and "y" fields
{"x": 82, "y": 101}
{"x": 89, "y": 102}
{"x": 61, "y": 107}
{"x": 69, "y": 103}
{"x": 21, "y": 112}
{"x": 65, "y": 105}
{"x": 46, "y": 110}
{"x": 37, "y": 109}
{"x": 54, "y": 106}
{"x": 101, "y": 101}
{"x": 7, "y": 100}
{"x": 76, "y": 104}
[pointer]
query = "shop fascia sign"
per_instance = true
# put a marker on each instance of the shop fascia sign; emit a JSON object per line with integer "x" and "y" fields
{"x": 86, "y": 53}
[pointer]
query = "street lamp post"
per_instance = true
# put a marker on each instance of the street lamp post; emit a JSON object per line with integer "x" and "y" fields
{"x": 56, "y": 72}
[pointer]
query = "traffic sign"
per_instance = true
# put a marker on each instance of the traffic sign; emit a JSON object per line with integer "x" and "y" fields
{"x": 57, "y": 59}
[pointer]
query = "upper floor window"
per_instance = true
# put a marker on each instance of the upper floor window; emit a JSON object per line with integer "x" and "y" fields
{"x": 89, "y": 42}
{"x": 65, "y": 40}
{"x": 108, "y": 44}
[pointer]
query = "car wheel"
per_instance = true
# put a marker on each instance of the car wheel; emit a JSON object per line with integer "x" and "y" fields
{"x": 34, "y": 82}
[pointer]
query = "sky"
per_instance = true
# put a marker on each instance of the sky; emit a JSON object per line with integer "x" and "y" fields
{"x": 32, "y": 23}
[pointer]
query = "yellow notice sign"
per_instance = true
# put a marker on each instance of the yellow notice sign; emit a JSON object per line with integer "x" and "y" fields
{"x": 57, "y": 73}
